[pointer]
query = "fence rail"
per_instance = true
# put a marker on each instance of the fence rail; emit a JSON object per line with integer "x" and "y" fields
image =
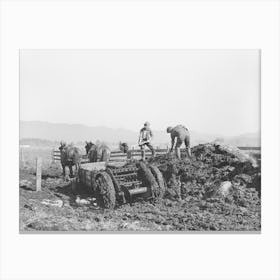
{"x": 135, "y": 154}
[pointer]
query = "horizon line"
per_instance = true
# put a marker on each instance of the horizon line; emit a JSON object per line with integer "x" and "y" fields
{"x": 136, "y": 131}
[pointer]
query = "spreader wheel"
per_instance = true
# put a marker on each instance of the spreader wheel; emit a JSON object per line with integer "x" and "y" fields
{"x": 148, "y": 179}
{"x": 105, "y": 190}
{"x": 160, "y": 190}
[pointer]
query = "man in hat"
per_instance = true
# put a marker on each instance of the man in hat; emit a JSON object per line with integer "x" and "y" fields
{"x": 145, "y": 139}
{"x": 181, "y": 134}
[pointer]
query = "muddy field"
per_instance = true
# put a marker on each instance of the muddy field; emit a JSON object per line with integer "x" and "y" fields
{"x": 219, "y": 189}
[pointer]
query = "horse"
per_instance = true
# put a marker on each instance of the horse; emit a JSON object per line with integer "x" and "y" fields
{"x": 97, "y": 152}
{"x": 69, "y": 156}
{"x": 123, "y": 147}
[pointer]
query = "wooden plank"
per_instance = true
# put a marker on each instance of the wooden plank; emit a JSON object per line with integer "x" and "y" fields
{"x": 38, "y": 173}
{"x": 118, "y": 155}
{"x": 139, "y": 156}
{"x": 117, "y": 152}
{"x": 101, "y": 165}
{"x": 53, "y": 160}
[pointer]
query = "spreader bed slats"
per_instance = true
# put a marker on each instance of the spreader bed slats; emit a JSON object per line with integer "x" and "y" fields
{"x": 123, "y": 170}
{"x": 125, "y": 175}
{"x": 131, "y": 183}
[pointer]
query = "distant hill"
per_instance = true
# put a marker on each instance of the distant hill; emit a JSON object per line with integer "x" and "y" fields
{"x": 74, "y": 132}
{"x": 36, "y": 131}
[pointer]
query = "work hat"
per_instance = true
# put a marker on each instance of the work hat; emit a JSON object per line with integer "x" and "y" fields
{"x": 146, "y": 124}
{"x": 169, "y": 129}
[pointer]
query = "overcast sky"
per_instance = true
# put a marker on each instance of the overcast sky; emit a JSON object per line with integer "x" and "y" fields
{"x": 210, "y": 91}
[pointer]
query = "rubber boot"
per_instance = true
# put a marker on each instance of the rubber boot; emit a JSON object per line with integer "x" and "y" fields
{"x": 178, "y": 153}
{"x": 189, "y": 152}
{"x": 143, "y": 155}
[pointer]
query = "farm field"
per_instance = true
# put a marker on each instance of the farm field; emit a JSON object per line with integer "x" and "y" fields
{"x": 193, "y": 200}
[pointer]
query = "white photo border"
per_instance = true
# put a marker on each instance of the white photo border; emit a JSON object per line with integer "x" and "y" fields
{"x": 139, "y": 25}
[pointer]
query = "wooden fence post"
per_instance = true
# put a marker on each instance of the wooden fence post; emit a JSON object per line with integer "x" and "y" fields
{"x": 38, "y": 173}
{"x": 53, "y": 156}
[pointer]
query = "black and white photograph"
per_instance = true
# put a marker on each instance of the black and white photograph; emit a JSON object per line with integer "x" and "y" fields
{"x": 140, "y": 141}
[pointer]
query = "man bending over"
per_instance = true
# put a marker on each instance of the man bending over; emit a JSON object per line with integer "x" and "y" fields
{"x": 181, "y": 134}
